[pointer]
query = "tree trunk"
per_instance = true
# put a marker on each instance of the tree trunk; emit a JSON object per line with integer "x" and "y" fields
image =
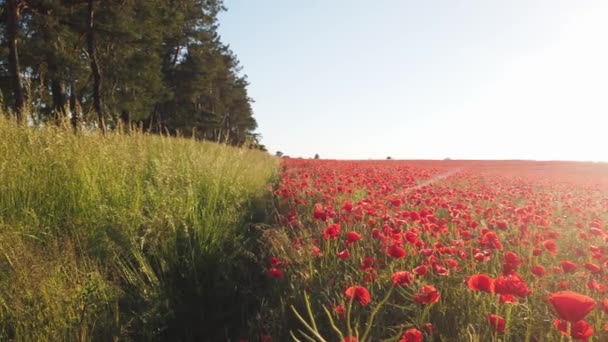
{"x": 58, "y": 90}
{"x": 97, "y": 104}
{"x": 75, "y": 107}
{"x": 13, "y": 57}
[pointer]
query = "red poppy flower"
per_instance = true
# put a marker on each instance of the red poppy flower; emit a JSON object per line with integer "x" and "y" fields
{"x": 319, "y": 213}
{"x": 511, "y": 262}
{"x": 344, "y": 254}
{"x": 479, "y": 257}
{"x": 412, "y": 335}
{"x": 561, "y": 326}
{"x": 275, "y": 261}
{"x": 511, "y": 285}
{"x": 332, "y": 232}
{"x": 402, "y": 278}
{"x": 340, "y": 310}
{"x": 275, "y": 273}
{"x": 352, "y": 237}
{"x": 579, "y": 330}
{"x": 481, "y": 282}
{"x": 550, "y": 246}
{"x": 593, "y": 268}
{"x": 348, "y": 206}
{"x": 369, "y": 263}
{"x": 568, "y": 266}
{"x": 538, "y": 271}
{"x": 427, "y": 295}
{"x": 350, "y": 339}
{"x": 440, "y": 270}
{"x": 571, "y": 306}
{"x": 451, "y": 263}
{"x": 396, "y": 251}
{"x": 508, "y": 299}
{"x": 490, "y": 240}
{"x": 421, "y": 270}
{"x": 411, "y": 237}
{"x": 594, "y": 285}
{"x": 497, "y": 323}
{"x": 358, "y": 293}
{"x": 428, "y": 328}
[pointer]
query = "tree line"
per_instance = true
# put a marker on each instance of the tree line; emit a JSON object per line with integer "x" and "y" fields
{"x": 160, "y": 64}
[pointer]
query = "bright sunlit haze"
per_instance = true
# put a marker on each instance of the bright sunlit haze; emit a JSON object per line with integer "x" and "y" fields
{"x": 426, "y": 80}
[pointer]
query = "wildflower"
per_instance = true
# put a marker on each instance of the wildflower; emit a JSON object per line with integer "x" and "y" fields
{"x": 275, "y": 273}
{"x": 396, "y": 251}
{"x": 538, "y": 271}
{"x": 512, "y": 285}
{"x": 332, "y": 232}
{"x": 427, "y": 295}
{"x": 275, "y": 261}
{"x": 550, "y": 246}
{"x": 490, "y": 240}
{"x": 412, "y": 335}
{"x": 481, "y": 282}
{"x": 340, "y": 311}
{"x": 402, "y": 278}
{"x": 568, "y": 266}
{"x": 358, "y": 293}
{"x": 369, "y": 263}
{"x": 421, "y": 270}
{"x": 579, "y": 330}
{"x": 344, "y": 254}
{"x": 593, "y": 268}
{"x": 571, "y": 306}
{"x": 497, "y": 323}
{"x": 352, "y": 237}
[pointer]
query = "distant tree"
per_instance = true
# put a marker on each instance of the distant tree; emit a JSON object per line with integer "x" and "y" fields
{"x": 158, "y": 63}
{"x": 13, "y": 10}
{"x": 388, "y": 158}
{"x": 279, "y": 154}
{"x": 447, "y": 158}
{"x": 317, "y": 156}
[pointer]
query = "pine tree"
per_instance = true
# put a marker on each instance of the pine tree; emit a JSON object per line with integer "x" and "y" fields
{"x": 159, "y": 63}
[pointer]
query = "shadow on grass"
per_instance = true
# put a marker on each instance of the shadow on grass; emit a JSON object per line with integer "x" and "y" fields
{"x": 207, "y": 294}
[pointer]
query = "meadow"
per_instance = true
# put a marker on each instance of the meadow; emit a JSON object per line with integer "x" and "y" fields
{"x": 132, "y": 236}
{"x": 415, "y": 251}
{"x": 127, "y": 236}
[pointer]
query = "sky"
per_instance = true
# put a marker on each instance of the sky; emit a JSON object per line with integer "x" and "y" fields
{"x": 485, "y": 79}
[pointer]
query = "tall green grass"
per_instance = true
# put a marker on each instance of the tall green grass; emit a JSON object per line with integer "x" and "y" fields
{"x": 127, "y": 236}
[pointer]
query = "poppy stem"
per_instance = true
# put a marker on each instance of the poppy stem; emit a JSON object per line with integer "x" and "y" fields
{"x": 349, "y": 328}
{"x": 332, "y": 323}
{"x": 370, "y": 321}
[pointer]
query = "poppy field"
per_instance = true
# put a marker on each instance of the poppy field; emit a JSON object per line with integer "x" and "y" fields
{"x": 415, "y": 251}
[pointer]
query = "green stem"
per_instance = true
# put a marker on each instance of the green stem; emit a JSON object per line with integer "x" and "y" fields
{"x": 303, "y": 321}
{"x": 332, "y": 323}
{"x": 370, "y": 321}
{"x": 309, "y": 310}
{"x": 349, "y": 328}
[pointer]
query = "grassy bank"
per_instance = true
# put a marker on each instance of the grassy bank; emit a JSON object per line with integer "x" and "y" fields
{"x": 126, "y": 236}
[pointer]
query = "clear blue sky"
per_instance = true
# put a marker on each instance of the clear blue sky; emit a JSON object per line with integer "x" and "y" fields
{"x": 348, "y": 79}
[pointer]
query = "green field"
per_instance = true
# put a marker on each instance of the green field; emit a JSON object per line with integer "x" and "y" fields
{"x": 127, "y": 236}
